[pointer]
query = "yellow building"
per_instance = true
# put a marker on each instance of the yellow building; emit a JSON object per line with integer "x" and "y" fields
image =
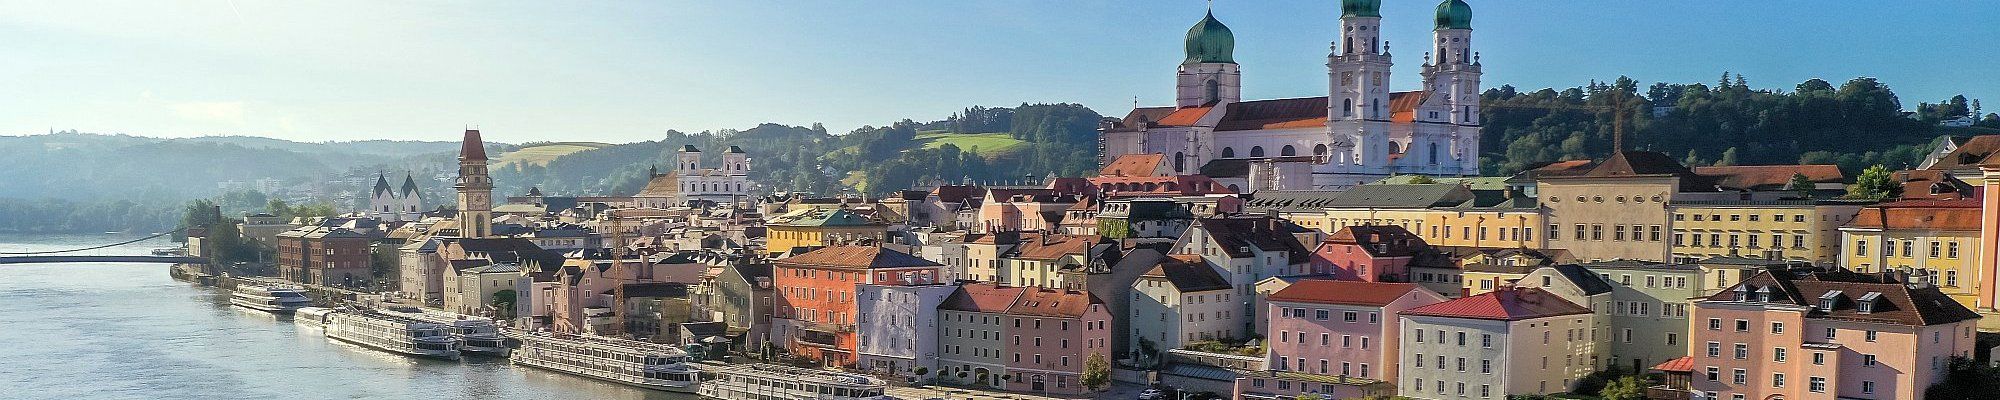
{"x": 1442, "y": 214}
{"x": 1925, "y": 238}
{"x": 820, "y": 227}
{"x": 1779, "y": 229}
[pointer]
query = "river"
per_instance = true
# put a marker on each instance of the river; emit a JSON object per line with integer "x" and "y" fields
{"x": 127, "y": 331}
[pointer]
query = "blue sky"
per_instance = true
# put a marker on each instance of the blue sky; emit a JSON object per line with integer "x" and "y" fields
{"x": 627, "y": 71}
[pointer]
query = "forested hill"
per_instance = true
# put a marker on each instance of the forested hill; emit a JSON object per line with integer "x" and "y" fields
{"x": 1858, "y": 123}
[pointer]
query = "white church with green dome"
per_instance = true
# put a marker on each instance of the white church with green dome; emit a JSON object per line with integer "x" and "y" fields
{"x": 1360, "y": 132}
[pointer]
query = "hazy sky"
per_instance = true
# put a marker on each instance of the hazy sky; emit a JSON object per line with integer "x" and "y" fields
{"x": 627, "y": 71}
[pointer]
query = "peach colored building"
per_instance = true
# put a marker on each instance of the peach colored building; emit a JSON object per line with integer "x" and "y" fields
{"x": 1832, "y": 335}
{"x": 1344, "y": 330}
{"x": 1373, "y": 253}
{"x": 1023, "y": 339}
{"x": 814, "y": 315}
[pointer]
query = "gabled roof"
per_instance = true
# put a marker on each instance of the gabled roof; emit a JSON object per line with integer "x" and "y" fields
{"x": 1403, "y": 105}
{"x": 1770, "y": 177}
{"x": 1589, "y": 282}
{"x": 1188, "y": 273}
{"x": 1148, "y": 164}
{"x": 982, "y": 297}
{"x": 1353, "y": 293}
{"x": 856, "y": 257}
{"x": 1629, "y": 163}
{"x": 1380, "y": 240}
{"x": 1302, "y": 112}
{"x": 957, "y": 193}
{"x": 1683, "y": 364}
{"x": 1962, "y": 215}
{"x": 1425, "y": 195}
{"x": 1236, "y": 234}
{"x": 1184, "y": 117}
{"x": 1896, "y": 302}
{"x": 381, "y": 185}
{"x": 1037, "y": 301}
{"x": 1505, "y": 304}
{"x": 1046, "y": 247}
{"x": 1969, "y": 154}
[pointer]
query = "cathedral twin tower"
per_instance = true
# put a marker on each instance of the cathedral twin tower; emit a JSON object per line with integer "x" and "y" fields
{"x": 1359, "y": 132}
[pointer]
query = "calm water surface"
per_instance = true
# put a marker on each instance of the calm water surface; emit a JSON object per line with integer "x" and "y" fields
{"x": 127, "y": 331}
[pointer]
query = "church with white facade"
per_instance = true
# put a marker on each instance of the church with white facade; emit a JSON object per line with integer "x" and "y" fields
{"x": 689, "y": 181}
{"x": 1360, "y": 132}
{"x": 395, "y": 205}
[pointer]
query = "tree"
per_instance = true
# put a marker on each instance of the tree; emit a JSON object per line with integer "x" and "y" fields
{"x": 1096, "y": 372}
{"x": 1422, "y": 179}
{"x": 1874, "y": 183}
{"x": 1801, "y": 184}
{"x": 1965, "y": 379}
{"x": 1626, "y": 388}
{"x": 1728, "y": 158}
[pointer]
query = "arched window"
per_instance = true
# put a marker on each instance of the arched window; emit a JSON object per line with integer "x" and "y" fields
{"x": 1233, "y": 188}
{"x": 1434, "y": 153}
{"x": 1288, "y": 151}
{"x": 1350, "y": 45}
{"x": 1256, "y": 151}
{"x": 1228, "y": 152}
{"x": 1214, "y": 92}
{"x": 1441, "y": 55}
{"x": 1319, "y": 149}
{"x": 1180, "y": 161}
{"x": 1346, "y": 107}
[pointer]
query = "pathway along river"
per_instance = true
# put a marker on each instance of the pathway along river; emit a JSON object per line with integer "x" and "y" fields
{"x": 127, "y": 331}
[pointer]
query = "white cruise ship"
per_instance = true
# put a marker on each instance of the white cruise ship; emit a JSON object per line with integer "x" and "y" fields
{"x": 314, "y": 317}
{"x": 476, "y": 335}
{"x": 779, "y": 382}
{"x": 269, "y": 298}
{"x": 647, "y": 365}
{"x": 393, "y": 334}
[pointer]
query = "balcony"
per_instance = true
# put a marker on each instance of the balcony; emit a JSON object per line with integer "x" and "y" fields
{"x": 818, "y": 338}
{"x": 1662, "y": 392}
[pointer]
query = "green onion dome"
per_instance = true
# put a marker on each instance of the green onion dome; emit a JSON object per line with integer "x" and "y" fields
{"x": 1210, "y": 42}
{"x": 1454, "y": 14}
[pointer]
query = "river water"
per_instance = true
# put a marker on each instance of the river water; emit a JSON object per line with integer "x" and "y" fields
{"x": 127, "y": 331}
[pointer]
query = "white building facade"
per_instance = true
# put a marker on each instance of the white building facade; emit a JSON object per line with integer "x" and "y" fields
{"x": 896, "y": 327}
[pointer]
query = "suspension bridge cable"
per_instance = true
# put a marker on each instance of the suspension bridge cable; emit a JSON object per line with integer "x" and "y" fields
{"x": 95, "y": 247}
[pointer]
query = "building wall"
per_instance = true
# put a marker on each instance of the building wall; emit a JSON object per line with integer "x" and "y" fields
{"x": 1532, "y": 356}
{"x": 1450, "y": 227}
{"x": 970, "y": 344}
{"x": 1800, "y": 231}
{"x": 780, "y": 238}
{"x": 1955, "y": 267}
{"x": 1600, "y": 207}
{"x": 1350, "y": 262}
{"x": 1364, "y": 348}
{"x": 421, "y": 273}
{"x": 1169, "y": 319}
{"x": 1053, "y": 350}
{"x": 898, "y": 327}
{"x": 1899, "y": 373}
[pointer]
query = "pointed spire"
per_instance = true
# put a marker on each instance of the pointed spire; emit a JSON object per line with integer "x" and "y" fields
{"x": 472, "y": 148}
{"x": 381, "y": 184}
{"x": 409, "y": 185}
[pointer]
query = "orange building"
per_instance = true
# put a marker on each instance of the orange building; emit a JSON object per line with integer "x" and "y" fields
{"x": 815, "y": 313}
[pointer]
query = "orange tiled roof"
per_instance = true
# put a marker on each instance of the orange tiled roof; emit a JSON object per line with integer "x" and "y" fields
{"x": 1504, "y": 305}
{"x": 1403, "y": 105}
{"x": 1184, "y": 117}
{"x": 1771, "y": 177}
{"x": 1328, "y": 291}
{"x": 1133, "y": 165}
{"x": 1683, "y": 364}
{"x": 1959, "y": 215}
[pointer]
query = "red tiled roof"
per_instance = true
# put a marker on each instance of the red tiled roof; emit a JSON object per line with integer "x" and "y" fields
{"x": 1184, "y": 117}
{"x": 1302, "y": 112}
{"x": 1403, "y": 105}
{"x": 1133, "y": 165}
{"x": 855, "y": 257}
{"x": 1044, "y": 247}
{"x": 1974, "y": 152}
{"x": 1683, "y": 364}
{"x": 957, "y": 193}
{"x": 1052, "y": 303}
{"x": 1328, "y": 291}
{"x": 1770, "y": 177}
{"x": 982, "y": 297}
{"x": 1920, "y": 214}
{"x": 1899, "y": 303}
{"x": 1506, "y": 304}
{"x": 1379, "y": 240}
{"x": 472, "y": 148}
{"x": 1565, "y": 168}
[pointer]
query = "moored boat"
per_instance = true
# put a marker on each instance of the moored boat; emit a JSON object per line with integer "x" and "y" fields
{"x": 269, "y": 298}
{"x": 314, "y": 317}
{"x": 393, "y": 334}
{"x": 476, "y": 335}
{"x": 647, "y": 365}
{"x": 780, "y": 382}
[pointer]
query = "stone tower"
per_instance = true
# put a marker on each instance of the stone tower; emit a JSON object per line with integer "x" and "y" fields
{"x": 475, "y": 189}
{"x": 1358, "y": 93}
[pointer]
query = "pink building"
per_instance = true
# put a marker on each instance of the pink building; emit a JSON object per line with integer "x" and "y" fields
{"x": 1049, "y": 335}
{"x": 1824, "y": 336}
{"x": 1372, "y": 253}
{"x": 1334, "y": 337}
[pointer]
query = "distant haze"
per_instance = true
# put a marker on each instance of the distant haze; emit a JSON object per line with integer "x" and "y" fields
{"x": 629, "y": 71}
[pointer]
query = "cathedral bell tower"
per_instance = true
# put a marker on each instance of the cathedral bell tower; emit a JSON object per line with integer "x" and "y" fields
{"x": 475, "y": 189}
{"x": 1358, "y": 93}
{"x": 1451, "y": 76}
{"x": 1209, "y": 74}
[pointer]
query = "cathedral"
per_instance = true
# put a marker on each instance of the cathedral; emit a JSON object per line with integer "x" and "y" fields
{"x": 1359, "y": 132}
{"x": 689, "y": 181}
{"x": 395, "y": 205}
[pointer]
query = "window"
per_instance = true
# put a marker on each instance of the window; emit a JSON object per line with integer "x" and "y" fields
{"x": 1485, "y": 340}
{"x": 1777, "y": 328}
{"x": 1742, "y": 351}
{"x": 1739, "y": 376}
{"x": 1714, "y": 349}
{"x": 1715, "y": 324}
{"x": 1742, "y": 325}
{"x": 1829, "y": 334}
{"x": 1870, "y": 336}
{"x": 1868, "y": 387}
{"x": 1937, "y": 249}
{"x": 1349, "y": 316}
{"x": 1816, "y": 384}
{"x": 1778, "y": 354}
{"x": 1420, "y": 364}
{"x": 1596, "y": 231}
{"x": 1867, "y": 360}
{"x": 1579, "y": 231}
{"x": 1654, "y": 233}
{"x": 1952, "y": 250}
{"x": 1320, "y": 314}
{"x": 1860, "y": 247}
{"x": 1777, "y": 380}
{"x": 1819, "y": 358}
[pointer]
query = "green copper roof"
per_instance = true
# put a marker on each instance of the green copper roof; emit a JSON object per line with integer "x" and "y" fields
{"x": 1210, "y": 42}
{"x": 1454, "y": 14}
{"x": 1360, "y": 8}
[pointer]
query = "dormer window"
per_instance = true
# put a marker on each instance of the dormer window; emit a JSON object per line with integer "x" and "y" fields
{"x": 1764, "y": 294}
{"x": 1743, "y": 293}
{"x": 1829, "y": 300}
{"x": 1866, "y": 304}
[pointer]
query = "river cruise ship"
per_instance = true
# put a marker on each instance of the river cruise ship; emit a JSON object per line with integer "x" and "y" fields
{"x": 476, "y": 335}
{"x": 779, "y": 382}
{"x": 314, "y": 317}
{"x": 647, "y": 365}
{"x": 269, "y": 298}
{"x": 393, "y": 334}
